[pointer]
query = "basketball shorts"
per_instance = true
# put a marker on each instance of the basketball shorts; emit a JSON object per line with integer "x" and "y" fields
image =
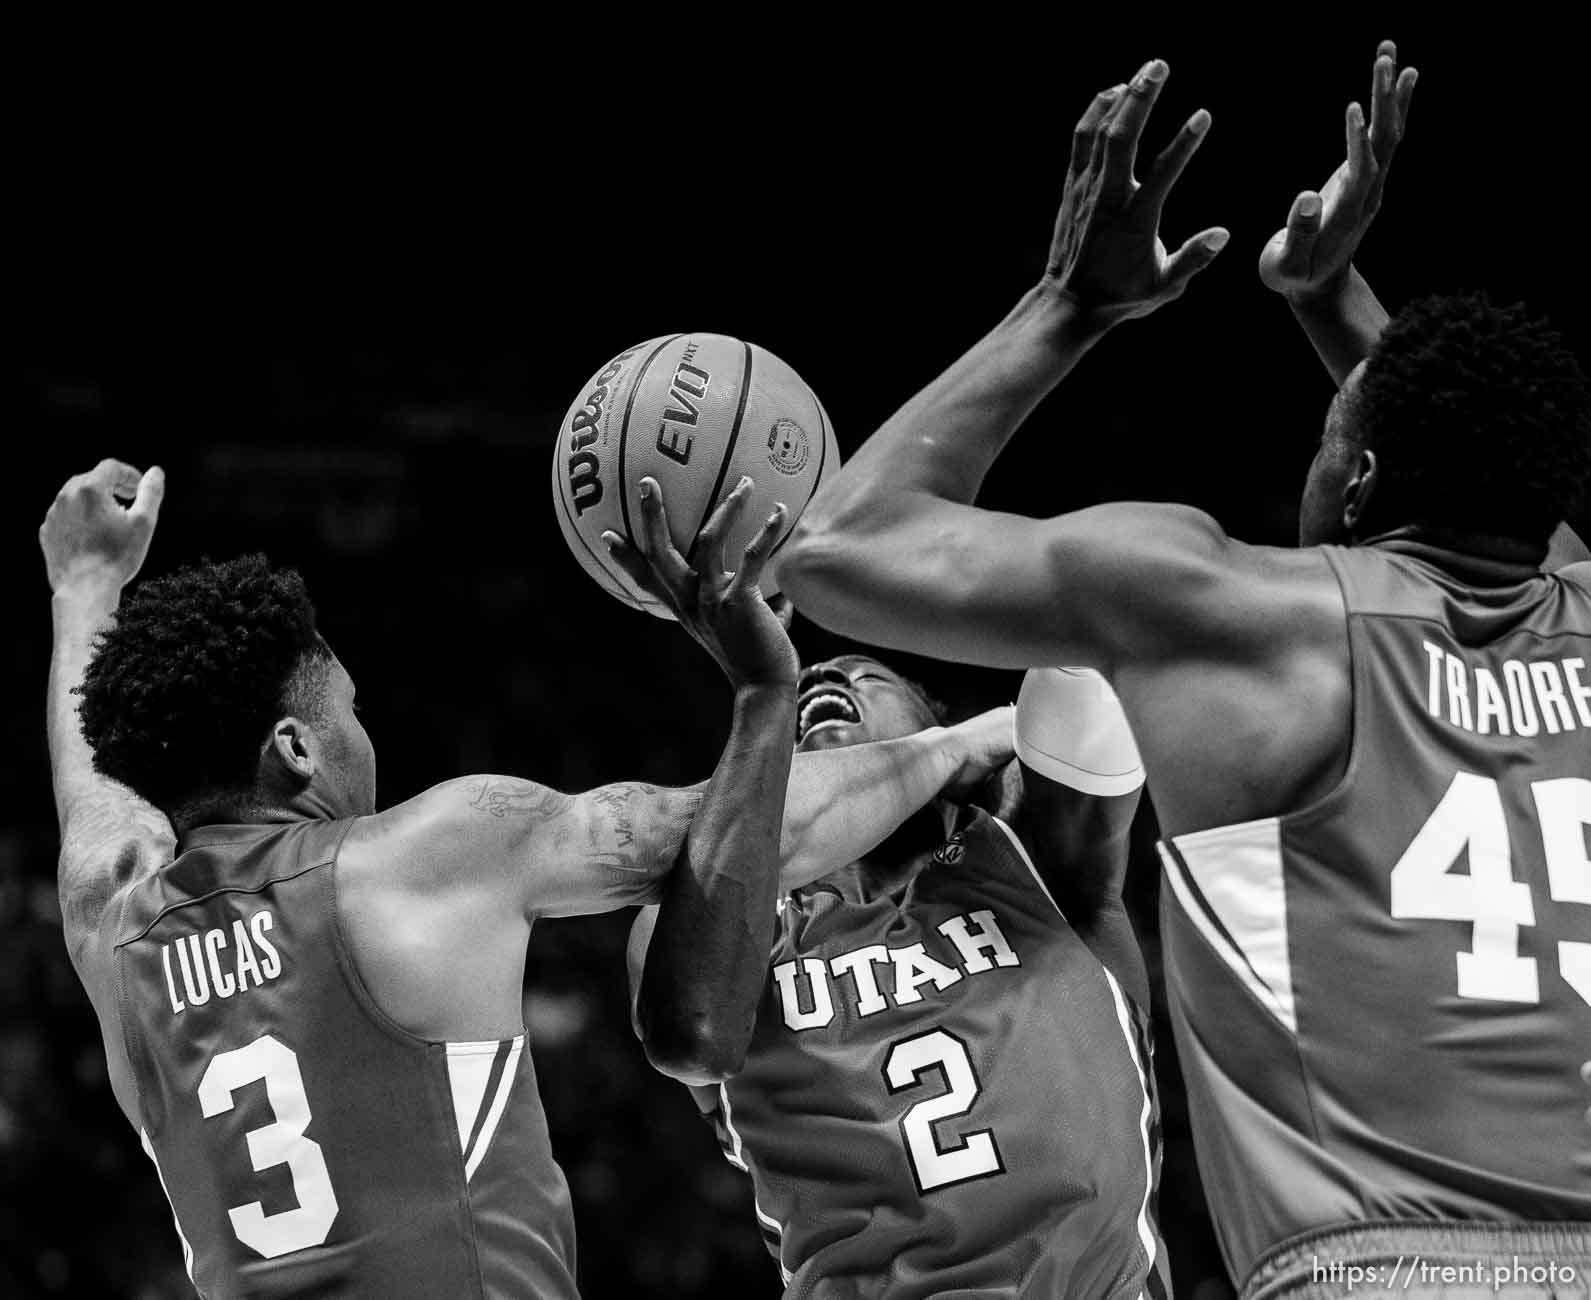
{"x": 1428, "y": 1261}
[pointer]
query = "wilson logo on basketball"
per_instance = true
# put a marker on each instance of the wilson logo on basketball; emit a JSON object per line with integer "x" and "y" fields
{"x": 788, "y": 448}
{"x": 585, "y": 470}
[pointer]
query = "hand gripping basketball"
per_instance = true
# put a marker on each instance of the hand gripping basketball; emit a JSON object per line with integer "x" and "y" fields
{"x": 724, "y": 611}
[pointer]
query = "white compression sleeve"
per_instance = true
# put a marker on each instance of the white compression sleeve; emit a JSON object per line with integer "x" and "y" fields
{"x": 1070, "y": 728}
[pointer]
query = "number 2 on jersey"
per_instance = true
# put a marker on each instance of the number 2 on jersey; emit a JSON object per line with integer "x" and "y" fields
{"x": 282, "y": 1141}
{"x": 976, "y": 1155}
{"x": 1470, "y": 816}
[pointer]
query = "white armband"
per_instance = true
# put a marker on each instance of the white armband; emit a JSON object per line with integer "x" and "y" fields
{"x": 1069, "y": 727}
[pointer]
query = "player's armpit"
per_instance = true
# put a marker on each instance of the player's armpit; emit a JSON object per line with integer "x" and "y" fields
{"x": 109, "y": 839}
{"x": 1132, "y": 581}
{"x": 554, "y": 854}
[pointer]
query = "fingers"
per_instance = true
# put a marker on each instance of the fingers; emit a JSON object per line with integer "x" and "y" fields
{"x": 635, "y": 564}
{"x": 1303, "y": 228}
{"x": 1173, "y": 158}
{"x": 1085, "y": 137}
{"x": 707, "y": 551}
{"x": 657, "y": 543}
{"x": 756, "y": 555}
{"x": 783, "y": 609}
{"x": 116, "y": 477}
{"x": 1196, "y": 254}
{"x": 150, "y": 492}
{"x": 1390, "y": 93}
{"x": 1125, "y": 126}
{"x": 1361, "y": 159}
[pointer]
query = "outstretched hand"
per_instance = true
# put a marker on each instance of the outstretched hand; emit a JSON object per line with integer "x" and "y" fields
{"x": 1107, "y": 255}
{"x": 89, "y": 537}
{"x": 725, "y": 612}
{"x": 1311, "y": 254}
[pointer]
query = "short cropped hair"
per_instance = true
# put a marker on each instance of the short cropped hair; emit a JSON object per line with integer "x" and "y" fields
{"x": 184, "y": 685}
{"x": 1480, "y": 419}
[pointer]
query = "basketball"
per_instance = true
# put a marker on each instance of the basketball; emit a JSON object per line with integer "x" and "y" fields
{"x": 696, "y": 412}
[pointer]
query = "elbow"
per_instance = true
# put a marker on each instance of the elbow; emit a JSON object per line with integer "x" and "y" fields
{"x": 696, "y": 1050}
{"x": 800, "y": 565}
{"x": 816, "y": 562}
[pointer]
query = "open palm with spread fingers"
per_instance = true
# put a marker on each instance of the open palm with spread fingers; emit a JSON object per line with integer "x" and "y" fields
{"x": 724, "y": 611}
{"x": 1107, "y": 254}
{"x": 1311, "y": 254}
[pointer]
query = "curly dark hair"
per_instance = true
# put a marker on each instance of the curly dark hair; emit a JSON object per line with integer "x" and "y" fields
{"x": 184, "y": 685}
{"x": 1480, "y": 418}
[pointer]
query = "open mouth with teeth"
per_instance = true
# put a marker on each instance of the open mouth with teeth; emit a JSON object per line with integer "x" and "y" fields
{"x": 825, "y": 706}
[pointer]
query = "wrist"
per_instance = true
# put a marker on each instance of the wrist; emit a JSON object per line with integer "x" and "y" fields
{"x": 1067, "y": 321}
{"x": 94, "y": 593}
{"x": 1328, "y": 295}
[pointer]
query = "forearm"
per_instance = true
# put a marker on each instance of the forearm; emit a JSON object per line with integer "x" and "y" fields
{"x": 943, "y": 441}
{"x": 1343, "y": 325}
{"x": 845, "y": 802}
{"x": 708, "y": 956}
{"x": 888, "y": 538}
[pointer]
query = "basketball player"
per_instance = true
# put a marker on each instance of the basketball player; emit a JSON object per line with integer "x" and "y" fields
{"x": 313, "y": 1015}
{"x": 946, "y": 1087}
{"x": 1371, "y": 756}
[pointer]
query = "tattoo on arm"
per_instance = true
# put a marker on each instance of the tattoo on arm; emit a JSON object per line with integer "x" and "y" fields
{"x": 503, "y": 799}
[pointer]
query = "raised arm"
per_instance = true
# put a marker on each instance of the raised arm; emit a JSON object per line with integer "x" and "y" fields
{"x": 93, "y": 546}
{"x": 891, "y": 550}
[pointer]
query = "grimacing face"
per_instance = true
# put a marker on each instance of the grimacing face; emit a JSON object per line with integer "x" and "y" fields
{"x": 852, "y": 699}
{"x": 1320, "y": 511}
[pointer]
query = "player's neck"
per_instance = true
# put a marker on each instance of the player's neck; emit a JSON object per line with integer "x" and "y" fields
{"x": 1503, "y": 557}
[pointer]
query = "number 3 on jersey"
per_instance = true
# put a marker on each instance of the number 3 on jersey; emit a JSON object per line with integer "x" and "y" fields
{"x": 976, "y": 1155}
{"x": 282, "y": 1141}
{"x": 1470, "y": 816}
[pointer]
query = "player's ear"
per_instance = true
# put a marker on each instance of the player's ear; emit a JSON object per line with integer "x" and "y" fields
{"x": 290, "y": 751}
{"x": 1358, "y": 490}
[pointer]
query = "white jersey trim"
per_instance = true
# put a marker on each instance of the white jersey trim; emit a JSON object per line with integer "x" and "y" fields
{"x": 1238, "y": 870}
{"x": 187, "y": 1250}
{"x": 1146, "y": 1231}
{"x": 737, "y": 1157}
{"x": 470, "y": 1070}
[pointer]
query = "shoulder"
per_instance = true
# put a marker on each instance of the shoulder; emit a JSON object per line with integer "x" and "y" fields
{"x": 453, "y": 832}
{"x": 1167, "y": 581}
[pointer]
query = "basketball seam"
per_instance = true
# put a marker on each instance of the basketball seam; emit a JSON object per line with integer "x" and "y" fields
{"x": 624, "y": 433}
{"x": 817, "y": 479}
{"x": 607, "y": 581}
{"x": 729, "y": 452}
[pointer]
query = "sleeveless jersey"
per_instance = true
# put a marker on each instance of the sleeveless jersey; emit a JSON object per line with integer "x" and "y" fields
{"x": 947, "y": 1094}
{"x": 308, "y": 1145}
{"x": 1382, "y": 1001}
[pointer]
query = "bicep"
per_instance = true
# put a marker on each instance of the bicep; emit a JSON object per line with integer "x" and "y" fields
{"x": 1089, "y": 588}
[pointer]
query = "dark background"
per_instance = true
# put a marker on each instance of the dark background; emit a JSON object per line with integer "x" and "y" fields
{"x": 345, "y": 295}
